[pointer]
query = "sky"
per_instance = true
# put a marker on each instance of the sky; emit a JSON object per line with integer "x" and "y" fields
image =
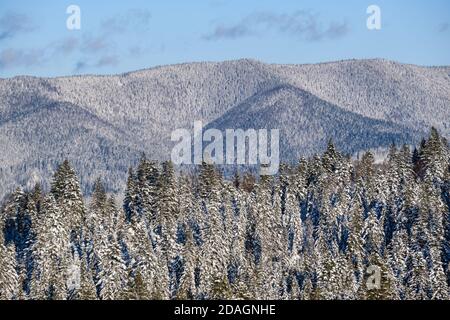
{"x": 121, "y": 36}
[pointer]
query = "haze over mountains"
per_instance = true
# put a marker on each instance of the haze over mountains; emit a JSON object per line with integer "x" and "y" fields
{"x": 103, "y": 123}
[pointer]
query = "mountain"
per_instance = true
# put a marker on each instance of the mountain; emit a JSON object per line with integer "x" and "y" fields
{"x": 306, "y": 123}
{"x": 410, "y": 95}
{"x": 103, "y": 123}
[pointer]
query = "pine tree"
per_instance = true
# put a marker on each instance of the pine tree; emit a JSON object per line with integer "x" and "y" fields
{"x": 188, "y": 288}
{"x": 270, "y": 232}
{"x": 9, "y": 279}
{"x": 331, "y": 159}
{"x": 137, "y": 289}
{"x": 215, "y": 254}
{"x": 130, "y": 199}
{"x": 87, "y": 289}
{"x": 355, "y": 246}
{"x": 52, "y": 254}
{"x": 418, "y": 280}
{"x": 66, "y": 191}
{"x": 375, "y": 256}
{"x": 435, "y": 157}
{"x": 147, "y": 177}
{"x": 113, "y": 270}
{"x": 398, "y": 253}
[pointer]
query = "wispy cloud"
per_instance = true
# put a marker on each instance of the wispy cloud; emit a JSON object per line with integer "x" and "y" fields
{"x": 102, "y": 40}
{"x": 13, "y": 24}
{"x": 444, "y": 27}
{"x": 104, "y": 61}
{"x": 80, "y": 66}
{"x": 103, "y": 43}
{"x": 87, "y": 44}
{"x": 95, "y": 49}
{"x": 229, "y": 32}
{"x": 95, "y": 44}
{"x": 107, "y": 61}
{"x": 20, "y": 58}
{"x": 301, "y": 24}
{"x": 135, "y": 51}
{"x": 66, "y": 46}
{"x": 134, "y": 19}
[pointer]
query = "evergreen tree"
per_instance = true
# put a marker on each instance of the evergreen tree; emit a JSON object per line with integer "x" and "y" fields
{"x": 66, "y": 191}
{"x": 87, "y": 289}
{"x": 52, "y": 254}
{"x": 9, "y": 279}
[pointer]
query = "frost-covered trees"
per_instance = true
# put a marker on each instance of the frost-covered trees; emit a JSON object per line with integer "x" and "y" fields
{"x": 66, "y": 191}
{"x": 9, "y": 279}
{"x": 109, "y": 262}
{"x": 52, "y": 254}
{"x": 327, "y": 228}
{"x": 215, "y": 252}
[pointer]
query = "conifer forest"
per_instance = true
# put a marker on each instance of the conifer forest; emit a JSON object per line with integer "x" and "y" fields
{"x": 329, "y": 227}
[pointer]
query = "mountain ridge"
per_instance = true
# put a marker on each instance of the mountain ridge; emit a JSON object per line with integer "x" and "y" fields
{"x": 224, "y": 61}
{"x": 294, "y": 109}
{"x": 121, "y": 116}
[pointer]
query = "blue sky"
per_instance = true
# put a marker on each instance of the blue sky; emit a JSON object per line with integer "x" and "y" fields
{"x": 121, "y": 36}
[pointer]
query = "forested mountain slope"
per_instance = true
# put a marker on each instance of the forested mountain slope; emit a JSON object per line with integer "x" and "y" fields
{"x": 306, "y": 123}
{"x": 357, "y": 103}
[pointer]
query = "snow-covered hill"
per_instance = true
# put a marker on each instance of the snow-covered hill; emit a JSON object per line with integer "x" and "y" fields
{"x": 103, "y": 123}
{"x": 307, "y": 122}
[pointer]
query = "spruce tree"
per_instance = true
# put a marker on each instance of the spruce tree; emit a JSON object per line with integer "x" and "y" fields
{"x": 66, "y": 191}
{"x": 9, "y": 279}
{"x": 52, "y": 254}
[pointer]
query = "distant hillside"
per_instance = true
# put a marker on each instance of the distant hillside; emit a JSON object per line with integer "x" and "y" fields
{"x": 103, "y": 123}
{"x": 307, "y": 123}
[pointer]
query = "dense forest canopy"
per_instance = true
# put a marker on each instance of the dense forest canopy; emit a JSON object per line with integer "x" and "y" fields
{"x": 321, "y": 229}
